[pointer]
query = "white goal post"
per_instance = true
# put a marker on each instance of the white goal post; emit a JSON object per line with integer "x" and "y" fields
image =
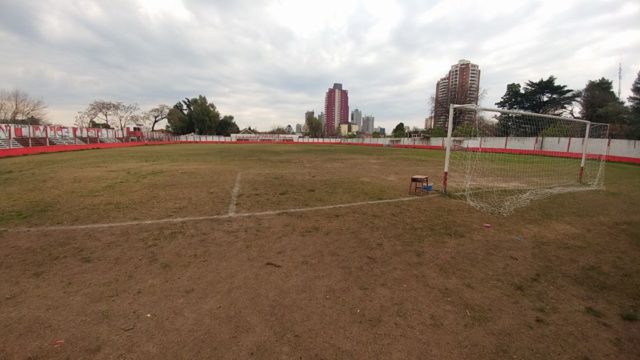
{"x": 499, "y": 160}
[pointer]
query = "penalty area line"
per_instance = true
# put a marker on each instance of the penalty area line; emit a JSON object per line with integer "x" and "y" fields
{"x": 234, "y": 195}
{"x": 211, "y": 217}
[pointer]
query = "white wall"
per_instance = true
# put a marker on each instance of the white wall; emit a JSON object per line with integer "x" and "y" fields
{"x": 628, "y": 148}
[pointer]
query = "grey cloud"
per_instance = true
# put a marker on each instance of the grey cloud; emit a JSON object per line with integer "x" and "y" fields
{"x": 267, "y": 74}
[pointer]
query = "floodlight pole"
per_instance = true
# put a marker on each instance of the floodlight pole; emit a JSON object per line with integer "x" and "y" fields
{"x": 447, "y": 156}
{"x": 584, "y": 152}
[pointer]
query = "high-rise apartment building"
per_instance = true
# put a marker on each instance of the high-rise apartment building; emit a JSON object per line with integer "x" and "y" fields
{"x": 336, "y": 108}
{"x": 356, "y": 117}
{"x": 460, "y": 86}
{"x": 367, "y": 124}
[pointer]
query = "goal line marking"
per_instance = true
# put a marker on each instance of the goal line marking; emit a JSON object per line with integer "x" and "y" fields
{"x": 211, "y": 217}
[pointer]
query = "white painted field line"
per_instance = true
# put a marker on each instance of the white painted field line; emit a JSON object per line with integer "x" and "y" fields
{"x": 212, "y": 217}
{"x": 234, "y": 195}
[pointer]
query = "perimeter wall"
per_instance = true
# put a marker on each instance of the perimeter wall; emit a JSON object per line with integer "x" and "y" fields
{"x": 16, "y": 140}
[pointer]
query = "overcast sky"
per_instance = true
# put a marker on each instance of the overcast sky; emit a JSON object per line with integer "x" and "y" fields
{"x": 267, "y": 62}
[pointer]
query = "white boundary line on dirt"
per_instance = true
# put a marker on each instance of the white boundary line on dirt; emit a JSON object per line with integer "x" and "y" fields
{"x": 234, "y": 195}
{"x": 212, "y": 217}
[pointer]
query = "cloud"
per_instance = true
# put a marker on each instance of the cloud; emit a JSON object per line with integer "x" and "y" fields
{"x": 267, "y": 62}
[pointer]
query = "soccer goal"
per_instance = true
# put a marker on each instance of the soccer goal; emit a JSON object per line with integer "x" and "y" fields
{"x": 500, "y": 160}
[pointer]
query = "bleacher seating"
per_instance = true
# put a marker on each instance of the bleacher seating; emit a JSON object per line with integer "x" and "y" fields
{"x": 23, "y": 141}
{"x": 65, "y": 141}
{"x": 38, "y": 142}
{"x": 4, "y": 144}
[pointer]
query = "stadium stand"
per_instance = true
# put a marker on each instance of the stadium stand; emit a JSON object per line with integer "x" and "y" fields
{"x": 4, "y": 144}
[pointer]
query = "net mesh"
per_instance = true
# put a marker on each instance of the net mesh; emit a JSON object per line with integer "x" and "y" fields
{"x": 501, "y": 160}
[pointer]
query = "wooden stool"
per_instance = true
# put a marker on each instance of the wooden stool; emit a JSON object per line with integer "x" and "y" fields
{"x": 418, "y": 183}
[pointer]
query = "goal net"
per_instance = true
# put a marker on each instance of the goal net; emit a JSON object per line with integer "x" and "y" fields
{"x": 500, "y": 160}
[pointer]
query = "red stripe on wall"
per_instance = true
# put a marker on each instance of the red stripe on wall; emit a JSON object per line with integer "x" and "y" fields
{"x": 65, "y": 148}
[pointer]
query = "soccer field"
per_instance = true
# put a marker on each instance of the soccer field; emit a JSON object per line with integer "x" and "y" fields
{"x": 305, "y": 251}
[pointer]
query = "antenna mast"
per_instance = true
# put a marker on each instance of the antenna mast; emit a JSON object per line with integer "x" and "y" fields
{"x": 619, "y": 78}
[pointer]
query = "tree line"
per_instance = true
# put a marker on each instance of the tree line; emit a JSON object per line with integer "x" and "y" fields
{"x": 18, "y": 107}
{"x": 597, "y": 102}
{"x": 191, "y": 115}
{"x": 195, "y": 115}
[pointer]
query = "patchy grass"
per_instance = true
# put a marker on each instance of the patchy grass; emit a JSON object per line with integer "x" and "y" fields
{"x": 629, "y": 316}
{"x": 593, "y": 312}
{"x": 419, "y": 279}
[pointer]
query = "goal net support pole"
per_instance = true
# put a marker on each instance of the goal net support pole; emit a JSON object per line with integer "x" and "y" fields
{"x": 448, "y": 144}
{"x": 584, "y": 152}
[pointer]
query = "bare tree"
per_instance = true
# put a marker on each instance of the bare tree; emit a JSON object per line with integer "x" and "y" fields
{"x": 18, "y": 107}
{"x": 125, "y": 114}
{"x": 108, "y": 114}
{"x": 82, "y": 119}
{"x": 101, "y": 111}
{"x": 155, "y": 115}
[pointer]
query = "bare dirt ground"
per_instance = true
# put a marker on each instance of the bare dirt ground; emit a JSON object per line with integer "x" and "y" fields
{"x": 412, "y": 279}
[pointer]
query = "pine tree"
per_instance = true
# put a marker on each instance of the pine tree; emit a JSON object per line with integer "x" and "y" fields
{"x": 634, "y": 105}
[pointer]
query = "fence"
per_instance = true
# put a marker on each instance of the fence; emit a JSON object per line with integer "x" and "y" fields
{"x": 61, "y": 138}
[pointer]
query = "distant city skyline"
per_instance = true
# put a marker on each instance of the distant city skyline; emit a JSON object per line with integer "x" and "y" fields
{"x": 266, "y": 62}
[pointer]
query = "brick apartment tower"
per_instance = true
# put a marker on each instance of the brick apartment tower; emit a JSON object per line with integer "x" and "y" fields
{"x": 336, "y": 108}
{"x": 460, "y": 86}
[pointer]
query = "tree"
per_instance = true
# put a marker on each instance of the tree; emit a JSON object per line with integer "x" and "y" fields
{"x": 99, "y": 111}
{"x": 634, "y": 99}
{"x": 155, "y": 115}
{"x": 634, "y": 108}
{"x": 278, "y": 130}
{"x": 204, "y": 115}
{"x": 513, "y": 98}
{"x": 399, "y": 131}
{"x": 194, "y": 115}
{"x": 465, "y": 130}
{"x": 178, "y": 122}
{"x": 82, "y": 119}
{"x": 600, "y": 104}
{"x": 107, "y": 115}
{"x": 375, "y": 135}
{"x": 542, "y": 97}
{"x": 438, "y": 132}
{"x": 125, "y": 114}
{"x": 227, "y": 126}
{"x": 197, "y": 115}
{"x": 314, "y": 126}
{"x": 18, "y": 107}
{"x": 556, "y": 130}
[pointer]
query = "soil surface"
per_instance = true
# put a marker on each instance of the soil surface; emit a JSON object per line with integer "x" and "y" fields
{"x": 422, "y": 279}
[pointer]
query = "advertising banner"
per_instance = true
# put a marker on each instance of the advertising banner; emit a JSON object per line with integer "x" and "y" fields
{"x": 38, "y": 131}
{"x": 5, "y": 131}
{"x": 55, "y": 131}
{"x": 21, "y": 130}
